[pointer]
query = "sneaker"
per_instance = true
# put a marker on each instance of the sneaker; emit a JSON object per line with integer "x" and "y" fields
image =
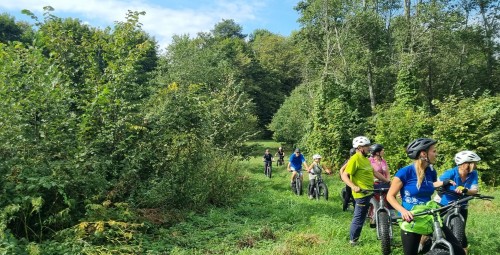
{"x": 311, "y": 197}
{"x": 353, "y": 242}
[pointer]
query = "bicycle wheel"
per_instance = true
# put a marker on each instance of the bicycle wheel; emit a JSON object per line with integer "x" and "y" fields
{"x": 345, "y": 199}
{"x": 268, "y": 171}
{"x": 384, "y": 232}
{"x": 457, "y": 227}
{"x": 323, "y": 191}
{"x": 298, "y": 186}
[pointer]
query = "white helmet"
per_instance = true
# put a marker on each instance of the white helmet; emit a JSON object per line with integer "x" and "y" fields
{"x": 360, "y": 141}
{"x": 466, "y": 156}
{"x": 316, "y": 156}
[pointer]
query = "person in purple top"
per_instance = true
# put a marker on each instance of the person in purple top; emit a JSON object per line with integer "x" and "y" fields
{"x": 416, "y": 184}
{"x": 466, "y": 182}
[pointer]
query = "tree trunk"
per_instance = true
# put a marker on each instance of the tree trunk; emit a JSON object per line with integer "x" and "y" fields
{"x": 370, "y": 86}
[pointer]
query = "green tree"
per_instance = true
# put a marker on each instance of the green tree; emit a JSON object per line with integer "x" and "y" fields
{"x": 470, "y": 124}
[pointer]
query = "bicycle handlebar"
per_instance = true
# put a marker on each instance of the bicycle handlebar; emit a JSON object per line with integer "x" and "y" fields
{"x": 448, "y": 206}
{"x": 379, "y": 190}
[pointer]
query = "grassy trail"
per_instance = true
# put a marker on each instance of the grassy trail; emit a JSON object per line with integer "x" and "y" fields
{"x": 272, "y": 220}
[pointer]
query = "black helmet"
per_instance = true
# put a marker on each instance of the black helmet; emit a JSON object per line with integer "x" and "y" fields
{"x": 376, "y": 148}
{"x": 418, "y": 145}
{"x": 352, "y": 151}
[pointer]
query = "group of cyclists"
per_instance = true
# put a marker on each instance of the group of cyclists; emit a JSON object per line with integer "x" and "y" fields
{"x": 413, "y": 185}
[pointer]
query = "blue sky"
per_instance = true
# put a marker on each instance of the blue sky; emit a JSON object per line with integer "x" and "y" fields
{"x": 168, "y": 17}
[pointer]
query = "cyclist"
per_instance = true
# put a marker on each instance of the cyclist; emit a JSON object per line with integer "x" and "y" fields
{"x": 348, "y": 192}
{"x": 466, "y": 178}
{"x": 379, "y": 165}
{"x": 416, "y": 183}
{"x": 315, "y": 169}
{"x": 281, "y": 154}
{"x": 295, "y": 164}
{"x": 268, "y": 159}
{"x": 361, "y": 177}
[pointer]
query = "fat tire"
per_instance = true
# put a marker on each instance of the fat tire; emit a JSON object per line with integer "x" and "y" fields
{"x": 438, "y": 252}
{"x": 345, "y": 202}
{"x": 384, "y": 231}
{"x": 323, "y": 191}
{"x": 457, "y": 227}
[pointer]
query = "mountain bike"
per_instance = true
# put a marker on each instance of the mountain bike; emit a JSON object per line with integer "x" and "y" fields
{"x": 382, "y": 215}
{"x": 280, "y": 161}
{"x": 454, "y": 220}
{"x": 319, "y": 189}
{"x": 268, "y": 169}
{"x": 440, "y": 245}
{"x": 297, "y": 184}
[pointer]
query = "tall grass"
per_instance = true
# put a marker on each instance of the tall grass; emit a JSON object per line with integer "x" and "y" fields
{"x": 271, "y": 220}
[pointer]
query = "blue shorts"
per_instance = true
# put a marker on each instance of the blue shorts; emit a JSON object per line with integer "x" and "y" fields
{"x": 299, "y": 171}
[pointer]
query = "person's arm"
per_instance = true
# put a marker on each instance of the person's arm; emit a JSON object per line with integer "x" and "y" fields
{"x": 473, "y": 188}
{"x": 395, "y": 188}
{"x": 381, "y": 176}
{"x": 342, "y": 169}
{"x": 288, "y": 167}
{"x": 440, "y": 183}
{"x": 305, "y": 165}
{"x": 310, "y": 167}
{"x": 328, "y": 171}
{"x": 348, "y": 182}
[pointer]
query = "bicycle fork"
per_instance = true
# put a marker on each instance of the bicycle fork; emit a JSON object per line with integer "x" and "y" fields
{"x": 381, "y": 208}
{"x": 439, "y": 237}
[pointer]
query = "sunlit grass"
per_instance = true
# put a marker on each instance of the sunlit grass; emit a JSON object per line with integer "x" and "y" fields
{"x": 272, "y": 220}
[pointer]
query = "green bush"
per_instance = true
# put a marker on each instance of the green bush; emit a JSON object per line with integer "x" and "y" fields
{"x": 470, "y": 124}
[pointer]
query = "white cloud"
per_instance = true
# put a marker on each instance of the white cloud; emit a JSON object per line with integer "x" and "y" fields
{"x": 160, "y": 21}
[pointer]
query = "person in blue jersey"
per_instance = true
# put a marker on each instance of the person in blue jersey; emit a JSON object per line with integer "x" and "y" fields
{"x": 466, "y": 182}
{"x": 297, "y": 160}
{"x": 416, "y": 184}
{"x": 358, "y": 175}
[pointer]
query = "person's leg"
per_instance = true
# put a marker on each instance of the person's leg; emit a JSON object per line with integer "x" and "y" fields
{"x": 410, "y": 242}
{"x": 312, "y": 182}
{"x": 292, "y": 180}
{"x": 359, "y": 217}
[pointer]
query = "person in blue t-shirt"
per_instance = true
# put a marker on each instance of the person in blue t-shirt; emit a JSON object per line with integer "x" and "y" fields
{"x": 466, "y": 182}
{"x": 416, "y": 184}
{"x": 295, "y": 164}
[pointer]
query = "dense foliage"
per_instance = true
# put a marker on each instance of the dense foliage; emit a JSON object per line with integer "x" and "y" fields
{"x": 395, "y": 71}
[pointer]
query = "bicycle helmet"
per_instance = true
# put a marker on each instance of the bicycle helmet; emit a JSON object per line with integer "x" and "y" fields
{"x": 466, "y": 156}
{"x": 376, "y": 148}
{"x": 297, "y": 150}
{"x": 360, "y": 141}
{"x": 316, "y": 156}
{"x": 418, "y": 145}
